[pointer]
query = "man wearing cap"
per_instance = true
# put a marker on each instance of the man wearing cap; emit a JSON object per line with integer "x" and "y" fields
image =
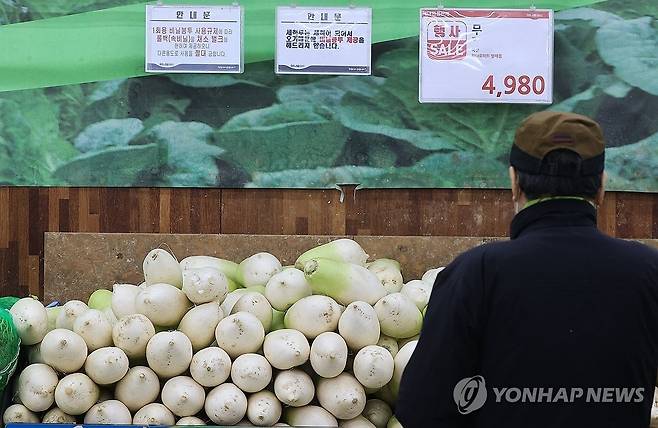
{"x": 557, "y": 327}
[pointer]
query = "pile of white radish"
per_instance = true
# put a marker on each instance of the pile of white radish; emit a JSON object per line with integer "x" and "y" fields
{"x": 210, "y": 341}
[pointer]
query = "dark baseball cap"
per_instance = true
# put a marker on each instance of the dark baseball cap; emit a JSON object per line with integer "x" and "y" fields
{"x": 546, "y": 131}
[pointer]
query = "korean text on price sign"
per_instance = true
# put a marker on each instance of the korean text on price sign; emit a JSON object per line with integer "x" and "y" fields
{"x": 488, "y": 56}
{"x": 194, "y": 39}
{"x": 317, "y": 40}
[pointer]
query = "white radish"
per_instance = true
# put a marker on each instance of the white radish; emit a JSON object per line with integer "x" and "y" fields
{"x": 388, "y": 272}
{"x": 256, "y": 304}
{"x": 430, "y": 276}
{"x": 377, "y": 412}
{"x": 386, "y": 395}
{"x": 418, "y": 291}
{"x": 19, "y": 414}
{"x": 183, "y": 396}
{"x": 94, "y": 327}
{"x": 64, "y": 350}
{"x": 210, "y": 367}
{"x": 389, "y": 344}
{"x": 203, "y": 285}
{"x": 373, "y": 366}
{"x": 100, "y": 300}
{"x": 287, "y": 287}
{"x": 34, "y": 354}
{"x": 30, "y": 319}
{"x": 286, "y": 348}
{"x": 343, "y": 396}
{"x": 240, "y": 333}
{"x": 256, "y": 289}
{"x": 310, "y": 416}
{"x": 398, "y": 316}
{"x": 190, "y": 420}
{"x": 154, "y": 414}
{"x": 228, "y": 268}
{"x": 199, "y": 324}
{"x": 226, "y": 404}
{"x": 69, "y": 313}
{"x": 251, "y": 372}
{"x": 139, "y": 387}
{"x": 263, "y": 409}
{"x": 344, "y": 282}
{"x": 277, "y": 320}
{"x": 161, "y": 267}
{"x": 36, "y": 387}
{"x": 164, "y": 304}
{"x": 258, "y": 269}
{"x": 106, "y": 366}
{"x": 359, "y": 325}
{"x": 232, "y": 298}
{"x": 123, "y": 299}
{"x": 110, "y": 316}
{"x": 169, "y": 353}
{"x": 294, "y": 387}
{"x": 358, "y": 422}
{"x": 53, "y": 313}
{"x": 131, "y": 333}
{"x": 112, "y": 412}
{"x": 403, "y": 342}
{"x": 340, "y": 250}
{"x": 56, "y": 416}
{"x": 393, "y": 423}
{"x": 313, "y": 315}
{"x": 401, "y": 361}
{"x": 328, "y": 355}
{"x": 76, "y": 393}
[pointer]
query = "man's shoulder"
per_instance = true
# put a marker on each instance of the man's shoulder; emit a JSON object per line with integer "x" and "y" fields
{"x": 503, "y": 252}
{"x": 475, "y": 256}
{"x": 637, "y": 246}
{"x": 488, "y": 248}
{"x": 629, "y": 249}
{"x": 608, "y": 242}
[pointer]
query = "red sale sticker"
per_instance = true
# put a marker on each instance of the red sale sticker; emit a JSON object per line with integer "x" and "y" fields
{"x": 486, "y": 56}
{"x": 446, "y": 40}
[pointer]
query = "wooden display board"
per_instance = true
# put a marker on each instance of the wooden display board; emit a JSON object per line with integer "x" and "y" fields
{"x": 76, "y": 264}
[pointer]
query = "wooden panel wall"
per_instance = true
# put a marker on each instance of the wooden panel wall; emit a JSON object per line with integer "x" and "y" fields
{"x": 26, "y": 213}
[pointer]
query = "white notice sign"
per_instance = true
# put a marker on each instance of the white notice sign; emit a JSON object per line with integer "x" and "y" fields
{"x": 486, "y": 55}
{"x": 323, "y": 40}
{"x": 194, "y": 39}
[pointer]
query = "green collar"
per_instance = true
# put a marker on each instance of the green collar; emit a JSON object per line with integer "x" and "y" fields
{"x": 553, "y": 198}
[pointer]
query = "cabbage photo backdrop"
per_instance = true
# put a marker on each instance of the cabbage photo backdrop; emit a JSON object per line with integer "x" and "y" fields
{"x": 261, "y": 130}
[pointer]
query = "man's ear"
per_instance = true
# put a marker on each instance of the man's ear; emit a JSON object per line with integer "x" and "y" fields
{"x": 514, "y": 182}
{"x": 600, "y": 195}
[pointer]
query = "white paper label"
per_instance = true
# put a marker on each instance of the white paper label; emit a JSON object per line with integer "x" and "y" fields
{"x": 318, "y": 40}
{"x": 486, "y": 55}
{"x": 194, "y": 39}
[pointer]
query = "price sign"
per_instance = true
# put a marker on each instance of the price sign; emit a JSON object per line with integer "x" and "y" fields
{"x": 486, "y": 56}
{"x": 194, "y": 39}
{"x": 317, "y": 40}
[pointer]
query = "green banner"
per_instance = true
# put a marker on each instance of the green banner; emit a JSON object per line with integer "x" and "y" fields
{"x": 109, "y": 44}
{"x": 259, "y": 129}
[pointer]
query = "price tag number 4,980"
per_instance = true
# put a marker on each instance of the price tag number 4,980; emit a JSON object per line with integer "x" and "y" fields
{"x": 523, "y": 85}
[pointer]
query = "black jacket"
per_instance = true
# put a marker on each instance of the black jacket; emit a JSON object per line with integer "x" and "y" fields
{"x": 560, "y": 305}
